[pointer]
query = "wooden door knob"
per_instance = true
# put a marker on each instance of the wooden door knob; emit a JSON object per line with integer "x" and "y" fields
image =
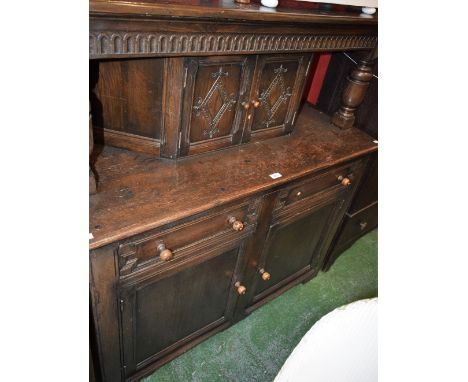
{"x": 237, "y": 225}
{"x": 344, "y": 181}
{"x": 256, "y": 103}
{"x": 265, "y": 275}
{"x": 246, "y": 105}
{"x": 164, "y": 253}
{"x": 240, "y": 288}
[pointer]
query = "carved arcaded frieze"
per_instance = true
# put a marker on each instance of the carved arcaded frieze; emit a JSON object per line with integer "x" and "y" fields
{"x": 103, "y": 44}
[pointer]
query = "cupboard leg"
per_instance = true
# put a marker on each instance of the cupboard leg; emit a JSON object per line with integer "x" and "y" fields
{"x": 354, "y": 92}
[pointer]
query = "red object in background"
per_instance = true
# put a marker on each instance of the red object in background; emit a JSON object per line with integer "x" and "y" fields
{"x": 318, "y": 72}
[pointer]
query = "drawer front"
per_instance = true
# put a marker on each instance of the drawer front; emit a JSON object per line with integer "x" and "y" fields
{"x": 341, "y": 177}
{"x": 175, "y": 244}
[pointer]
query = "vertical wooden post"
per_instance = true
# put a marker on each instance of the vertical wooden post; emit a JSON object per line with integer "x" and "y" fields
{"x": 354, "y": 92}
{"x": 92, "y": 179}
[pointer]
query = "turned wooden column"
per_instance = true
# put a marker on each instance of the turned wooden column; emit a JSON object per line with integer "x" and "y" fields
{"x": 92, "y": 179}
{"x": 354, "y": 92}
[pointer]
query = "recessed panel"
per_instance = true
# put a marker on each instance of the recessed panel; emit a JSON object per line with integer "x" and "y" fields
{"x": 215, "y": 100}
{"x": 275, "y": 91}
{"x": 128, "y": 96}
{"x": 174, "y": 307}
{"x": 292, "y": 245}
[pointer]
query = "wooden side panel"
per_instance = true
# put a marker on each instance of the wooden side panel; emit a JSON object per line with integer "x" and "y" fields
{"x": 128, "y": 96}
{"x": 104, "y": 302}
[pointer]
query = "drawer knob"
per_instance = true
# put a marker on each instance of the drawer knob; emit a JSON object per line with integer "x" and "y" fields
{"x": 240, "y": 288}
{"x": 164, "y": 253}
{"x": 344, "y": 181}
{"x": 237, "y": 225}
{"x": 265, "y": 275}
{"x": 363, "y": 225}
{"x": 255, "y": 103}
{"x": 246, "y": 105}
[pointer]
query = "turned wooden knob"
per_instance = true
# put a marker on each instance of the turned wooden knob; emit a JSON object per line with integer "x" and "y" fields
{"x": 240, "y": 288}
{"x": 265, "y": 275}
{"x": 246, "y": 105}
{"x": 164, "y": 253}
{"x": 237, "y": 225}
{"x": 256, "y": 103}
{"x": 344, "y": 181}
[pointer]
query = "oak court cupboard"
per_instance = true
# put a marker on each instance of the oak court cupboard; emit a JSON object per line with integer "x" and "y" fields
{"x": 213, "y": 189}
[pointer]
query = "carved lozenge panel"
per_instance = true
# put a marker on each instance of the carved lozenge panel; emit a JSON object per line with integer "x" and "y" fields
{"x": 216, "y": 94}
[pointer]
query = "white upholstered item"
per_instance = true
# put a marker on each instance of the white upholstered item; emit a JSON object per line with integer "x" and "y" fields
{"x": 340, "y": 347}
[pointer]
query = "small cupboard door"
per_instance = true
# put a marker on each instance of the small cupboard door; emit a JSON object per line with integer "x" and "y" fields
{"x": 276, "y": 93}
{"x": 161, "y": 313}
{"x": 215, "y": 89}
{"x": 294, "y": 245}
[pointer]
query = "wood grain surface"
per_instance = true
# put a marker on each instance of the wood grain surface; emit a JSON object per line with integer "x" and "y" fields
{"x": 140, "y": 192}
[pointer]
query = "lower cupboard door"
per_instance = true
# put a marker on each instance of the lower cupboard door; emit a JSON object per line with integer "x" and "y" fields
{"x": 162, "y": 314}
{"x": 293, "y": 244}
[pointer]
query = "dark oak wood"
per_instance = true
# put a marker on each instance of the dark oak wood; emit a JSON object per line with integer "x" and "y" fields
{"x": 131, "y": 181}
{"x": 341, "y": 64}
{"x": 181, "y": 108}
{"x": 202, "y": 228}
{"x": 361, "y": 216}
{"x": 184, "y": 304}
{"x": 223, "y": 10}
{"x": 216, "y": 94}
{"x": 353, "y": 94}
{"x": 92, "y": 178}
{"x": 183, "y": 249}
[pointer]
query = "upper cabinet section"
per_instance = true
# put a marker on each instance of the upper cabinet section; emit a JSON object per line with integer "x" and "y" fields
{"x": 177, "y": 106}
{"x": 173, "y": 80}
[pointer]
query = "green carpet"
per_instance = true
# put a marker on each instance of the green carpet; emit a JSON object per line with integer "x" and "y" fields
{"x": 255, "y": 348}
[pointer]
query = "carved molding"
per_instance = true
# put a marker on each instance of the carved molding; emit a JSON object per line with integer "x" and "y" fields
{"x": 103, "y": 44}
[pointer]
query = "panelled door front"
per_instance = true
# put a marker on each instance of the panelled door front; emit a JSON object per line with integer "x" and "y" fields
{"x": 163, "y": 312}
{"x": 215, "y": 90}
{"x": 276, "y": 93}
{"x": 294, "y": 245}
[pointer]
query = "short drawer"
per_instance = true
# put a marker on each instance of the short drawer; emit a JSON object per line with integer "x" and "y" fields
{"x": 183, "y": 240}
{"x": 336, "y": 178}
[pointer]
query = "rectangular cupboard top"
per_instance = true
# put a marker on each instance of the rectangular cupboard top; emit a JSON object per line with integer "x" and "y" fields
{"x": 223, "y": 10}
{"x": 139, "y": 192}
